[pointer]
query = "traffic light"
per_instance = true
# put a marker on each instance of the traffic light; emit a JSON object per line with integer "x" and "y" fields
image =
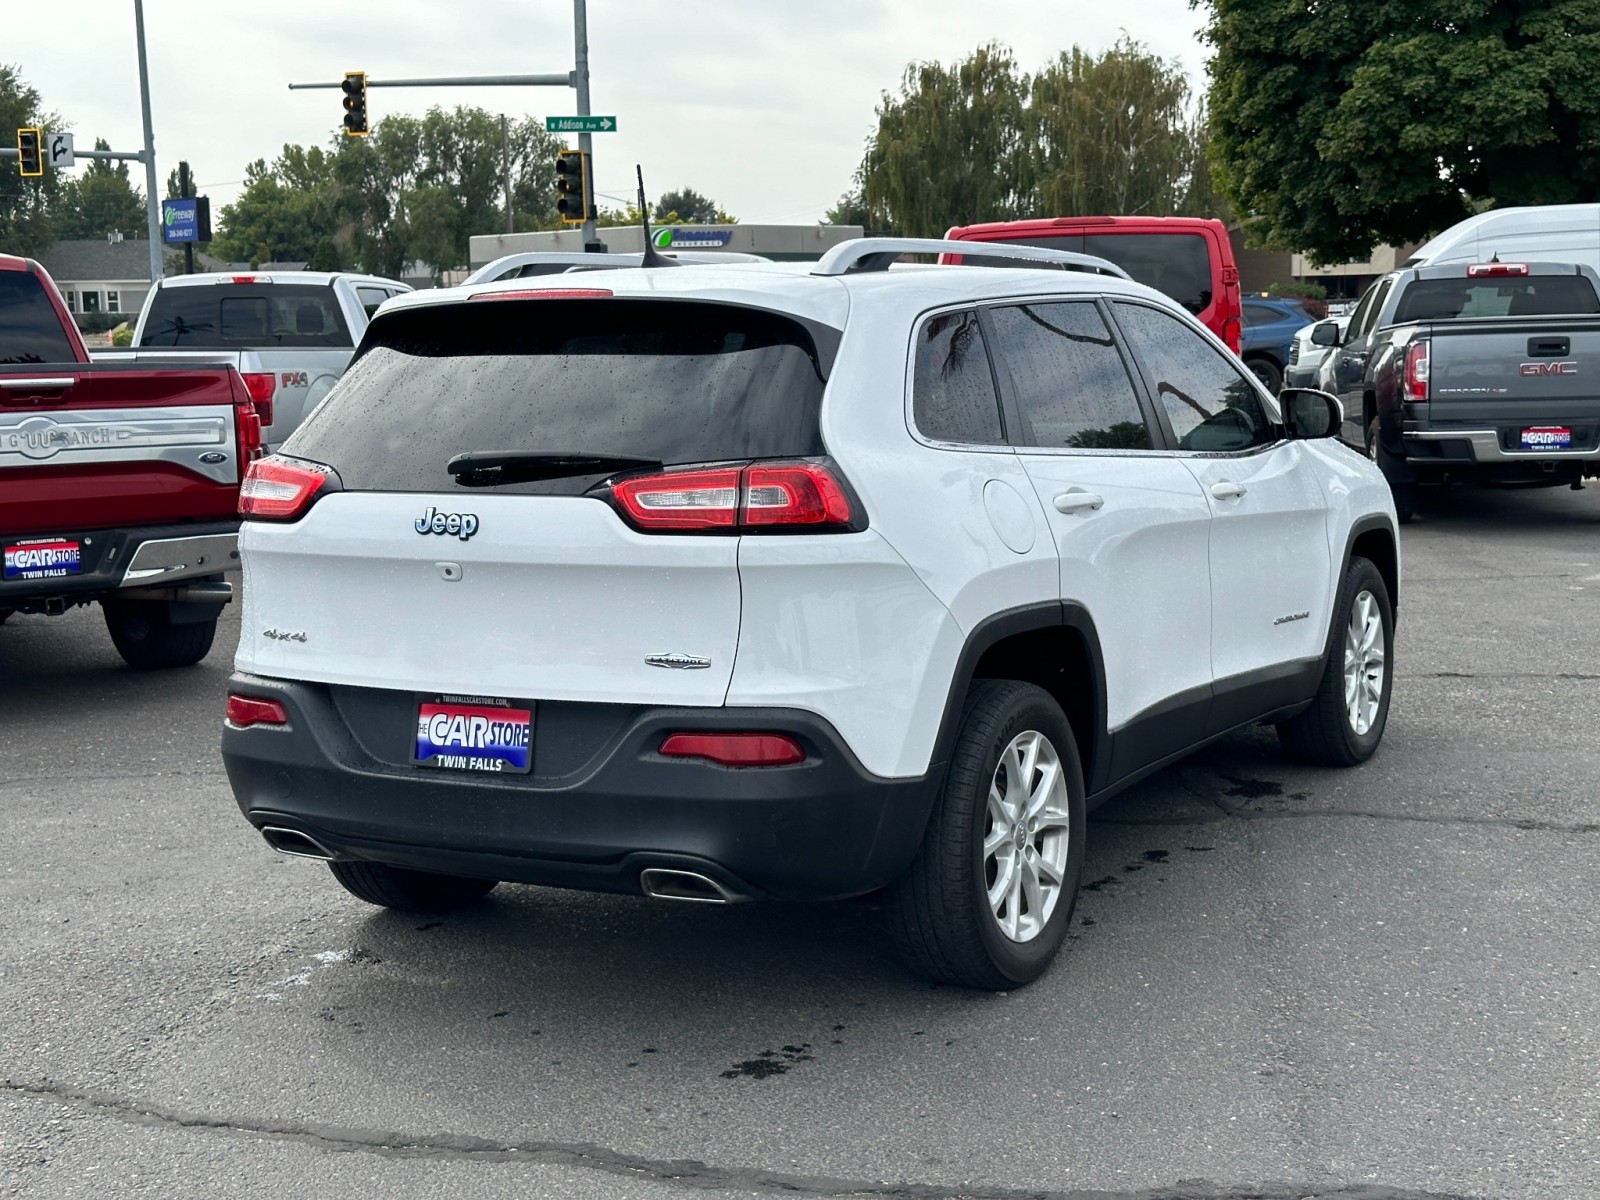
{"x": 30, "y": 158}
{"x": 572, "y": 172}
{"x": 355, "y": 104}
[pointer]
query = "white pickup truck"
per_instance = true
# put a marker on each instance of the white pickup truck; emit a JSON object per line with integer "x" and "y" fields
{"x": 290, "y": 335}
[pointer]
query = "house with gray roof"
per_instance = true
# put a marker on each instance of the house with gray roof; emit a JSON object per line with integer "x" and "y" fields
{"x": 104, "y": 277}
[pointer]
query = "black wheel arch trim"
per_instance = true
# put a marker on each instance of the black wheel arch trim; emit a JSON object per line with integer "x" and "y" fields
{"x": 1371, "y": 523}
{"x": 1029, "y": 618}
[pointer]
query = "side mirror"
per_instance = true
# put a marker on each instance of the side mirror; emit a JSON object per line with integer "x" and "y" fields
{"x": 1308, "y": 413}
{"x": 1326, "y": 334}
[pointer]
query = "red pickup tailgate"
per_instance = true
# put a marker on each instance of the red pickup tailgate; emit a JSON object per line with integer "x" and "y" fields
{"x": 101, "y": 446}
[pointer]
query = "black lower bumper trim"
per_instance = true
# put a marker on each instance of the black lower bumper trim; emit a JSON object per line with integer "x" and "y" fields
{"x": 591, "y": 818}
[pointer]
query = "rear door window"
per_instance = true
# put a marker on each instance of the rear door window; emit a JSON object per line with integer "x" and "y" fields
{"x": 674, "y": 381}
{"x": 1067, "y": 378}
{"x": 953, "y": 396}
{"x": 30, "y": 329}
{"x": 233, "y": 316}
{"x": 1208, "y": 401}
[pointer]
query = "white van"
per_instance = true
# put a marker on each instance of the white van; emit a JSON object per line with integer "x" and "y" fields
{"x": 1563, "y": 233}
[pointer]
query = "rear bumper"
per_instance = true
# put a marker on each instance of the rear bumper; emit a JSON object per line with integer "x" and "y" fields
{"x": 142, "y": 557}
{"x": 599, "y": 806}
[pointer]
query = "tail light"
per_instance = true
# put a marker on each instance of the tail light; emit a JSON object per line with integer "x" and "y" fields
{"x": 1230, "y": 334}
{"x": 247, "y": 431}
{"x": 282, "y": 489}
{"x": 245, "y": 711}
{"x": 261, "y": 385}
{"x": 1495, "y": 270}
{"x": 546, "y": 294}
{"x": 803, "y": 495}
{"x": 1416, "y": 371}
{"x": 735, "y": 749}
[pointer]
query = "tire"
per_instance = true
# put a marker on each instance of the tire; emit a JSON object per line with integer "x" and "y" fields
{"x": 1345, "y": 722}
{"x": 1270, "y": 374}
{"x": 939, "y": 911}
{"x": 408, "y": 891}
{"x": 1403, "y": 491}
{"x": 147, "y": 639}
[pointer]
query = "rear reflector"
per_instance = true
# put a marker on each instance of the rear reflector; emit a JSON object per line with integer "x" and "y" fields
{"x": 1416, "y": 371}
{"x": 280, "y": 489}
{"x": 547, "y": 294}
{"x": 735, "y": 749}
{"x": 801, "y": 495}
{"x": 1490, "y": 270}
{"x": 245, "y": 711}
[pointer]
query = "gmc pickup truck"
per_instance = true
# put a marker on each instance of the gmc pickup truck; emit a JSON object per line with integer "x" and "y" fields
{"x": 290, "y": 336}
{"x": 1486, "y": 371}
{"x": 118, "y": 484}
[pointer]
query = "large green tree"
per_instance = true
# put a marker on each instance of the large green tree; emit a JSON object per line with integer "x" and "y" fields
{"x": 689, "y": 207}
{"x": 1114, "y": 133}
{"x": 951, "y": 148}
{"x": 417, "y": 189}
{"x": 1341, "y": 124}
{"x": 100, "y": 200}
{"x": 25, "y": 204}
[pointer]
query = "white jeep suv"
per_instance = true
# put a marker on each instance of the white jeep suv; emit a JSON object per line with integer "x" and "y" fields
{"x": 791, "y": 580}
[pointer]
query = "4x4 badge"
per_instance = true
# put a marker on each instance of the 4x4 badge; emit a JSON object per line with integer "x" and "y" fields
{"x": 463, "y": 525}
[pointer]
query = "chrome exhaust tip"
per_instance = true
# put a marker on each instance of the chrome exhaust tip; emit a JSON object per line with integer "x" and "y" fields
{"x": 296, "y": 844}
{"x": 665, "y": 883}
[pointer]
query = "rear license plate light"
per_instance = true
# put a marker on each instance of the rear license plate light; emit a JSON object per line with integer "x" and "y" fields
{"x": 43, "y": 558}
{"x": 1547, "y": 437}
{"x": 474, "y": 734}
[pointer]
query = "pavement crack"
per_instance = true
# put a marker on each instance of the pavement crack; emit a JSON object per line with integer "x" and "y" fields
{"x": 683, "y": 1172}
{"x": 1545, "y": 676}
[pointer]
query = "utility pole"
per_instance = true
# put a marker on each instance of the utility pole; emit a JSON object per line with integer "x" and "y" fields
{"x": 152, "y": 199}
{"x": 505, "y": 169}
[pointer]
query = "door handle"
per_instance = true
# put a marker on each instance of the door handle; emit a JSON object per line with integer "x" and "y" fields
{"x": 1075, "y": 500}
{"x": 1228, "y": 490}
{"x": 38, "y": 384}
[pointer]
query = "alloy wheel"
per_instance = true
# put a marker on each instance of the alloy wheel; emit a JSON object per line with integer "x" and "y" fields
{"x": 1365, "y": 661}
{"x": 1027, "y": 836}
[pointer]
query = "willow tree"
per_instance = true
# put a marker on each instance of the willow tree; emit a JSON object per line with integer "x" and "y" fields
{"x": 951, "y": 148}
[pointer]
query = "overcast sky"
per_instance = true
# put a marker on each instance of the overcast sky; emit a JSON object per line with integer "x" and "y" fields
{"x": 764, "y": 105}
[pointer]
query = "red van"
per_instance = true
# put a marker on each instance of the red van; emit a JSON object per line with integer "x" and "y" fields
{"x": 1188, "y": 258}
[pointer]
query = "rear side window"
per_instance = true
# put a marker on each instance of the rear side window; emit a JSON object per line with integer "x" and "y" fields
{"x": 674, "y": 381}
{"x": 232, "y": 316}
{"x": 953, "y": 397}
{"x": 1208, "y": 401}
{"x": 1071, "y": 387}
{"x": 30, "y": 330}
{"x": 1525, "y": 296}
{"x": 1178, "y": 264}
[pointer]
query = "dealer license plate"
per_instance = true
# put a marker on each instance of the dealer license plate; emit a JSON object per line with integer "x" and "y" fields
{"x": 474, "y": 733}
{"x": 1547, "y": 437}
{"x": 43, "y": 558}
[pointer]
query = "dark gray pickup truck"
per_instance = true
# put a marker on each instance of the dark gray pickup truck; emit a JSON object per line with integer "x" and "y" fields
{"x": 1489, "y": 371}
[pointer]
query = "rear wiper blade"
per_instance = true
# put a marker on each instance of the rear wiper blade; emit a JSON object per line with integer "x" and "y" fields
{"x": 485, "y": 468}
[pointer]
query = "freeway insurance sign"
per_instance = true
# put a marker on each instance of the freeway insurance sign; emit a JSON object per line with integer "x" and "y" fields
{"x": 580, "y": 124}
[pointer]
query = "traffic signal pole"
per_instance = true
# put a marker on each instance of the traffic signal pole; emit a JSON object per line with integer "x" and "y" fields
{"x": 577, "y": 79}
{"x": 152, "y": 198}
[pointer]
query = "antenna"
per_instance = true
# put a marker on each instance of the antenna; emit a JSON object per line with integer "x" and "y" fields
{"x": 651, "y": 257}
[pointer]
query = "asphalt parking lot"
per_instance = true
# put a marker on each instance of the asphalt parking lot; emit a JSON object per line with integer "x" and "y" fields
{"x": 1282, "y": 982}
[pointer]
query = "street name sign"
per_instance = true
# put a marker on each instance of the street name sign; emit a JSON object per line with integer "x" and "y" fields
{"x": 580, "y": 124}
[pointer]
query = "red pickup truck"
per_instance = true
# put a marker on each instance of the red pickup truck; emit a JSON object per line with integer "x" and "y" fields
{"x": 118, "y": 484}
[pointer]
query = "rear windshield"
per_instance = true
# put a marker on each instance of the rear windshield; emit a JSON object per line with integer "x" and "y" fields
{"x": 235, "y": 316}
{"x": 30, "y": 330}
{"x": 1524, "y": 296}
{"x": 675, "y": 381}
{"x": 1175, "y": 263}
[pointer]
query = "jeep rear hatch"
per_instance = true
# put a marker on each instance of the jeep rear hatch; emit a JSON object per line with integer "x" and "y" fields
{"x": 468, "y": 540}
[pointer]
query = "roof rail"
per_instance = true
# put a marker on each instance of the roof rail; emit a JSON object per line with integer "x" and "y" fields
{"x": 875, "y": 254}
